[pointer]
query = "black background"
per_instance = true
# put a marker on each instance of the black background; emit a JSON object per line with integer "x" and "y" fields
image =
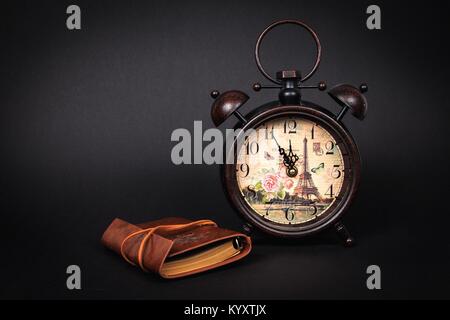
{"x": 86, "y": 119}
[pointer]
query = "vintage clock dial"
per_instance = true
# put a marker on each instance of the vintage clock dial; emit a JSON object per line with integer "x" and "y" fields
{"x": 277, "y": 194}
{"x": 295, "y": 170}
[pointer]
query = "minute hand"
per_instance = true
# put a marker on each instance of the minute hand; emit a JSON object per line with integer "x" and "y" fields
{"x": 280, "y": 149}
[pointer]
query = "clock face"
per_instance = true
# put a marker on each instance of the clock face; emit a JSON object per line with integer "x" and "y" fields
{"x": 290, "y": 170}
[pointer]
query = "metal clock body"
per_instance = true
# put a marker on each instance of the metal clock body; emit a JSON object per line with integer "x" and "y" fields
{"x": 296, "y": 167}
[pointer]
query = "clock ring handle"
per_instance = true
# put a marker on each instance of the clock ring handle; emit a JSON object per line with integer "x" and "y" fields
{"x": 276, "y": 24}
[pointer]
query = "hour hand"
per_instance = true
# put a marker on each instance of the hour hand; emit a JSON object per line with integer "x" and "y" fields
{"x": 293, "y": 158}
{"x": 289, "y": 162}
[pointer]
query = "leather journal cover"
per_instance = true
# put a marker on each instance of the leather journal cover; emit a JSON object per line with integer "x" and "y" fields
{"x": 176, "y": 247}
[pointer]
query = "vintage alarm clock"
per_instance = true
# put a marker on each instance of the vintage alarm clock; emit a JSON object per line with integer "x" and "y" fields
{"x": 298, "y": 170}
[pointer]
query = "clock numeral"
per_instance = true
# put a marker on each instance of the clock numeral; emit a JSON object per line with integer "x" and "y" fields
{"x": 329, "y": 146}
{"x": 336, "y": 173}
{"x": 290, "y": 126}
{"x": 269, "y": 132}
{"x": 245, "y": 169}
{"x": 312, "y": 210}
{"x": 330, "y": 192}
{"x": 289, "y": 214}
{"x": 312, "y": 133}
{"x": 252, "y": 147}
{"x": 251, "y": 194}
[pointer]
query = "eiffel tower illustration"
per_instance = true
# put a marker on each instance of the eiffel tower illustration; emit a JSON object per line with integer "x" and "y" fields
{"x": 305, "y": 186}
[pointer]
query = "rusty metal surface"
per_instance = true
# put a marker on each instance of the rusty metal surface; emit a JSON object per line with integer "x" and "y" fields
{"x": 350, "y": 97}
{"x": 278, "y": 23}
{"x": 226, "y": 104}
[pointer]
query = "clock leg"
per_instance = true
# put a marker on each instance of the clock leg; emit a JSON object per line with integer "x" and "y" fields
{"x": 343, "y": 233}
{"x": 248, "y": 228}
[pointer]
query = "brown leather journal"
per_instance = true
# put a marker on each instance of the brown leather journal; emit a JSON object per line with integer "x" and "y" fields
{"x": 176, "y": 247}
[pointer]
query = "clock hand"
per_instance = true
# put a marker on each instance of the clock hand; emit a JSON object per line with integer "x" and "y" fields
{"x": 280, "y": 149}
{"x": 293, "y": 158}
{"x": 288, "y": 159}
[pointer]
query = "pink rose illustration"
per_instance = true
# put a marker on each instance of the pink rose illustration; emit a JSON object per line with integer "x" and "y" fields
{"x": 270, "y": 183}
{"x": 288, "y": 183}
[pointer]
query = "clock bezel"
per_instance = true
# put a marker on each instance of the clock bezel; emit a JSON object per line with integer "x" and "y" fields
{"x": 352, "y": 162}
